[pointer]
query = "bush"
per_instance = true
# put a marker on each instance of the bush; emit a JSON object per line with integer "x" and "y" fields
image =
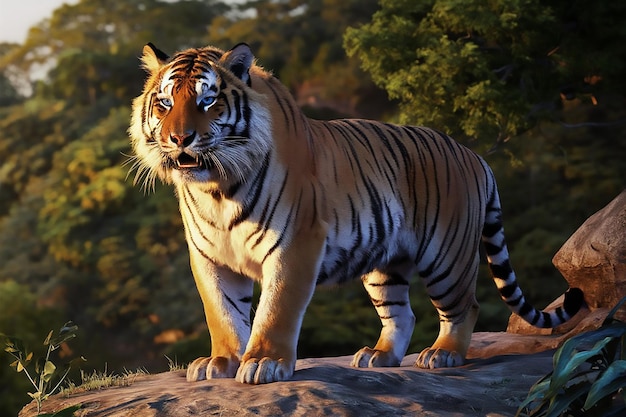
{"x": 589, "y": 375}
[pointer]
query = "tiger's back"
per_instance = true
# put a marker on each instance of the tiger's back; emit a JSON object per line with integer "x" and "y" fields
{"x": 267, "y": 194}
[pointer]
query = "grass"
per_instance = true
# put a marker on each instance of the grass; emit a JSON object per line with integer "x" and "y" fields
{"x": 174, "y": 365}
{"x": 101, "y": 380}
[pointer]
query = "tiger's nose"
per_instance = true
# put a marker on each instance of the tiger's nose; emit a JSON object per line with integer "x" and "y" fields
{"x": 183, "y": 140}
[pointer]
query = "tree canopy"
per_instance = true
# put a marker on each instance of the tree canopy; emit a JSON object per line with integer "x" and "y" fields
{"x": 491, "y": 70}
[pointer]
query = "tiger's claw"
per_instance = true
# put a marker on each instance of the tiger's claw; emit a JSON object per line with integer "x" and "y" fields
{"x": 264, "y": 371}
{"x": 372, "y": 358}
{"x": 211, "y": 367}
{"x": 431, "y": 358}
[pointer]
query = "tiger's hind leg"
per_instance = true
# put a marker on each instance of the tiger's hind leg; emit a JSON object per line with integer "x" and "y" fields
{"x": 455, "y": 301}
{"x": 389, "y": 292}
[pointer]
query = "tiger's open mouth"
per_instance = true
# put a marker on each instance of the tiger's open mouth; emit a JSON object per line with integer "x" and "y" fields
{"x": 186, "y": 161}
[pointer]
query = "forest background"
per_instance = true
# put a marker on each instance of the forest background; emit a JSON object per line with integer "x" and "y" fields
{"x": 538, "y": 90}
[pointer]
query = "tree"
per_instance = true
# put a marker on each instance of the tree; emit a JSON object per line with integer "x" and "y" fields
{"x": 8, "y": 93}
{"x": 491, "y": 70}
{"x": 300, "y": 42}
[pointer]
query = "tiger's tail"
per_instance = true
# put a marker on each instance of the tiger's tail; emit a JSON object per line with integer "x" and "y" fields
{"x": 504, "y": 276}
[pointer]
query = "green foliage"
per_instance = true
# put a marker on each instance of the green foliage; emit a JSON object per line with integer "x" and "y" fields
{"x": 300, "y": 42}
{"x": 45, "y": 371}
{"x": 589, "y": 376}
{"x": 490, "y": 70}
{"x": 20, "y": 313}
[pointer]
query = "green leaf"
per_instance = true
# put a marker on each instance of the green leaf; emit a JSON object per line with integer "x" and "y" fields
{"x": 40, "y": 365}
{"x": 614, "y": 330}
{"x": 14, "y": 344}
{"x": 563, "y": 401}
{"x": 48, "y": 371}
{"x": 610, "y": 318}
{"x": 563, "y": 370}
{"x": 67, "y": 332}
{"x": 47, "y": 341}
{"x": 609, "y": 383}
{"x": 536, "y": 393}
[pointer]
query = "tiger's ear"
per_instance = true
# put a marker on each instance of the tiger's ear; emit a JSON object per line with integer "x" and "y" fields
{"x": 153, "y": 58}
{"x": 239, "y": 60}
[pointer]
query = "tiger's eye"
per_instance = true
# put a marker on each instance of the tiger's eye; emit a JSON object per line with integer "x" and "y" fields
{"x": 166, "y": 102}
{"x": 206, "y": 102}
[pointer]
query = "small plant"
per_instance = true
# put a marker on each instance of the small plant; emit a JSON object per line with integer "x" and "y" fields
{"x": 45, "y": 371}
{"x": 174, "y": 365}
{"x": 589, "y": 376}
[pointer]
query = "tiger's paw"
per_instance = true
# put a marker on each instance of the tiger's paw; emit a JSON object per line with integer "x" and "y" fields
{"x": 433, "y": 358}
{"x": 372, "y": 358}
{"x": 264, "y": 371}
{"x": 211, "y": 367}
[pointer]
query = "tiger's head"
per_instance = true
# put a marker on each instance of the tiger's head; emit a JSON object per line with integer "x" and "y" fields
{"x": 198, "y": 119}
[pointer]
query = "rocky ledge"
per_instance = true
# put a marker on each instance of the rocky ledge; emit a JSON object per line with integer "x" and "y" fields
{"x": 492, "y": 383}
{"x": 326, "y": 387}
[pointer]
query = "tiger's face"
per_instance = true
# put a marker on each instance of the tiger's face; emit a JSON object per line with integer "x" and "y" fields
{"x": 198, "y": 120}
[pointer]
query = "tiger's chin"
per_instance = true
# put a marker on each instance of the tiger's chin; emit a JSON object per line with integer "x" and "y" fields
{"x": 209, "y": 178}
{"x": 201, "y": 173}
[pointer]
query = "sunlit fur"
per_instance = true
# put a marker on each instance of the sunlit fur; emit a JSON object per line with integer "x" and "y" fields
{"x": 292, "y": 202}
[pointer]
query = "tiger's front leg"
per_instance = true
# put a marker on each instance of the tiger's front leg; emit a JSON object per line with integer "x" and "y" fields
{"x": 227, "y": 298}
{"x": 289, "y": 279}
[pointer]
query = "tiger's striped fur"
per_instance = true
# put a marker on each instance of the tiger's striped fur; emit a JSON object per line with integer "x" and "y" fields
{"x": 268, "y": 195}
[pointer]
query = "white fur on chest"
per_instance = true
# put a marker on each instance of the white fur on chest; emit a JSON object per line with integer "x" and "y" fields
{"x": 211, "y": 230}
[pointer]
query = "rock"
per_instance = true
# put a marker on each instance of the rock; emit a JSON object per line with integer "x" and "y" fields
{"x": 486, "y": 386}
{"x": 594, "y": 260}
{"x": 594, "y": 257}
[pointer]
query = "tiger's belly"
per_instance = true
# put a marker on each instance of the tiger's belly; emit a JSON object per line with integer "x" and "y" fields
{"x": 350, "y": 258}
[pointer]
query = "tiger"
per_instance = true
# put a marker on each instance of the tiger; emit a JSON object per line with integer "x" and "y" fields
{"x": 268, "y": 195}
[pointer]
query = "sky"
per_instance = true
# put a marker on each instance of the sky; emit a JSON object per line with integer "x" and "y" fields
{"x": 17, "y": 16}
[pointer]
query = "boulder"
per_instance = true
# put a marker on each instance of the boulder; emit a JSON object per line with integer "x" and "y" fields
{"x": 594, "y": 257}
{"x": 594, "y": 260}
